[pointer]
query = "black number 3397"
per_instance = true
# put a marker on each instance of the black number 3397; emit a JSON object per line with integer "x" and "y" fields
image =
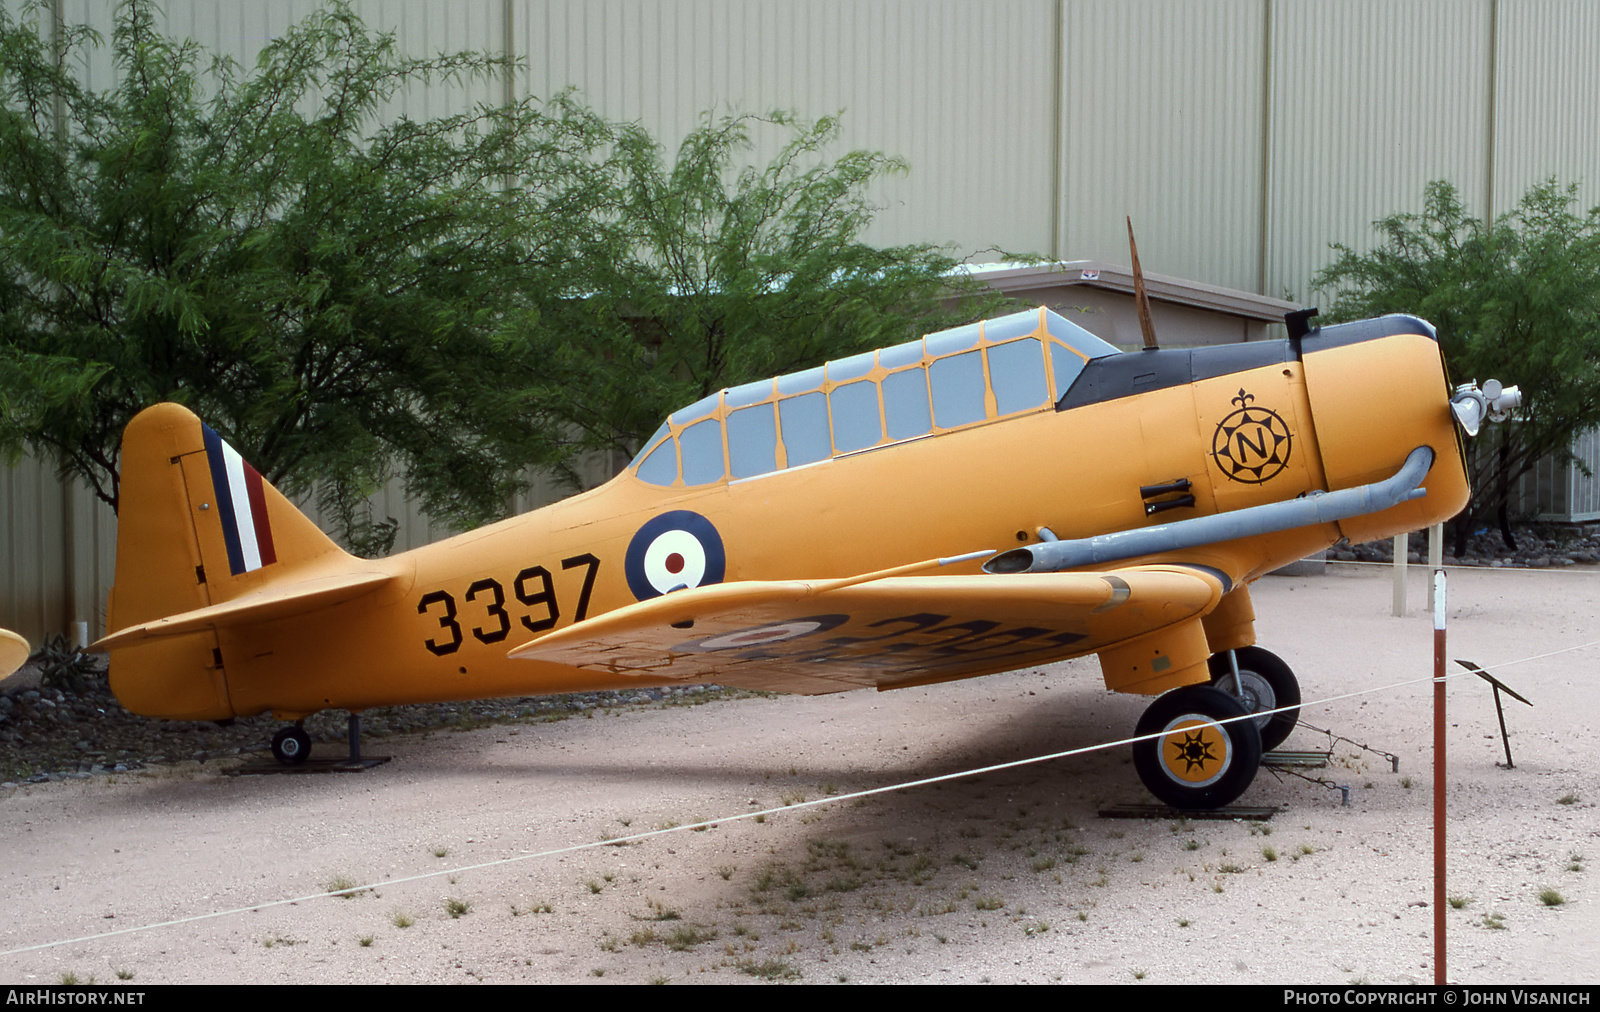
{"x": 485, "y": 603}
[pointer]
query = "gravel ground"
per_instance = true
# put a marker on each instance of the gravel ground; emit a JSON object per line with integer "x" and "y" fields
{"x": 1010, "y": 876}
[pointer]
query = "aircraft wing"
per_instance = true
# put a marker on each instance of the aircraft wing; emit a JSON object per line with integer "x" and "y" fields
{"x": 826, "y": 636}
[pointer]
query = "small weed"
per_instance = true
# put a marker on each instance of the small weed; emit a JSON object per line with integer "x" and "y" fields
{"x": 1229, "y": 869}
{"x": 1083, "y": 915}
{"x": 441, "y": 851}
{"x": 1037, "y": 928}
{"x": 1269, "y": 853}
{"x": 658, "y": 981}
{"x": 457, "y": 908}
{"x": 1216, "y": 886}
{"x": 279, "y": 940}
{"x": 1551, "y": 898}
{"x": 1458, "y": 902}
{"x": 1044, "y": 862}
{"x": 969, "y": 863}
{"x": 643, "y": 937}
{"x": 1495, "y": 921}
{"x": 726, "y": 871}
{"x": 1405, "y": 782}
{"x": 687, "y": 937}
{"x": 661, "y": 912}
{"x": 594, "y": 887}
{"x": 366, "y": 940}
{"x": 340, "y": 883}
{"x": 1136, "y": 857}
{"x": 1138, "y": 975}
{"x": 70, "y": 979}
{"x": 598, "y": 971}
{"x": 124, "y": 974}
{"x": 761, "y": 817}
{"x": 608, "y": 943}
{"x": 1192, "y": 845}
{"x": 1183, "y": 922}
{"x": 988, "y": 903}
{"x": 401, "y": 919}
{"x": 1567, "y": 799}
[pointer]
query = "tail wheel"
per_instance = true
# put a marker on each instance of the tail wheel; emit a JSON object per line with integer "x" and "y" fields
{"x": 1201, "y": 763}
{"x": 291, "y": 746}
{"x": 1268, "y": 683}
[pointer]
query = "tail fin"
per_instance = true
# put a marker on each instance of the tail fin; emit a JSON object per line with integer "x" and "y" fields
{"x": 197, "y": 528}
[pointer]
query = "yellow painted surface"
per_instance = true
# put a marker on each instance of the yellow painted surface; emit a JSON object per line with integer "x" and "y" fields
{"x": 13, "y": 652}
{"x": 496, "y": 612}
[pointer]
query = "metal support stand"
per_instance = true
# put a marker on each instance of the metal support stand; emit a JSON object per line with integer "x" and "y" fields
{"x": 355, "y": 737}
{"x": 1499, "y": 710}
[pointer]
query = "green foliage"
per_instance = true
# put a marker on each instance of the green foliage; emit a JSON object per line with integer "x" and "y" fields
{"x": 721, "y": 276}
{"x": 1516, "y": 299}
{"x": 344, "y": 295}
{"x": 332, "y": 293}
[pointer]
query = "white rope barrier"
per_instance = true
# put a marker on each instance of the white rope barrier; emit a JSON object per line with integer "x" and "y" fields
{"x": 711, "y": 823}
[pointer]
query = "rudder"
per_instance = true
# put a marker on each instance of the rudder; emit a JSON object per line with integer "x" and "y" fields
{"x": 196, "y": 526}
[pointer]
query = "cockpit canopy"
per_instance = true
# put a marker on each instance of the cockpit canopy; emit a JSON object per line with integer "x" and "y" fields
{"x": 944, "y": 381}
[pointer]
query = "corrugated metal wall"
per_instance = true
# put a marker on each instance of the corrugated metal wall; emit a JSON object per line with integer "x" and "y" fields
{"x": 1243, "y": 136}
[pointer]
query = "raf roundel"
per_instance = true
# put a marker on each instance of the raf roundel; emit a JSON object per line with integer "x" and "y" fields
{"x": 674, "y": 551}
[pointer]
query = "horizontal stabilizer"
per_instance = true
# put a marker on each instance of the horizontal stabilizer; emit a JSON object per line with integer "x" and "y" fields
{"x": 13, "y": 652}
{"x": 825, "y": 636}
{"x": 275, "y": 601}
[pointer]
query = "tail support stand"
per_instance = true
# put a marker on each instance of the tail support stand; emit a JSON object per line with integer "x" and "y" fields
{"x": 1499, "y": 710}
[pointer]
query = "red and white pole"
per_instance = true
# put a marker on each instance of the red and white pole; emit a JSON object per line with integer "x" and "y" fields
{"x": 1438, "y": 777}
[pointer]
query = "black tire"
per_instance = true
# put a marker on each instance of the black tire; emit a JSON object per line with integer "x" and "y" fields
{"x": 1208, "y": 765}
{"x": 291, "y": 746}
{"x": 1268, "y": 684}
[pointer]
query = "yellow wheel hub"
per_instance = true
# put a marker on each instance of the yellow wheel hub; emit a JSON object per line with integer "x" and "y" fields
{"x": 1197, "y": 752}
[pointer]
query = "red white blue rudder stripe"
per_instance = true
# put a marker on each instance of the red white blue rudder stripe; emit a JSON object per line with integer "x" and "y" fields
{"x": 241, "y": 506}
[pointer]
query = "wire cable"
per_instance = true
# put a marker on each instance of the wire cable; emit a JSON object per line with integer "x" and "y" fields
{"x": 712, "y": 823}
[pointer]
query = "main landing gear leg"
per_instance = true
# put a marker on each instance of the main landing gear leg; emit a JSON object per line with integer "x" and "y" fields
{"x": 1201, "y": 763}
{"x": 1261, "y": 681}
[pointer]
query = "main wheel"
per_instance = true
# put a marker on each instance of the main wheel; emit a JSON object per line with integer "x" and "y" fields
{"x": 1203, "y": 764}
{"x": 1268, "y": 684}
{"x": 291, "y": 746}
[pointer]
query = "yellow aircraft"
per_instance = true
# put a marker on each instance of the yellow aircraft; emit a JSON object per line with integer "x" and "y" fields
{"x": 14, "y": 652}
{"x": 838, "y": 528}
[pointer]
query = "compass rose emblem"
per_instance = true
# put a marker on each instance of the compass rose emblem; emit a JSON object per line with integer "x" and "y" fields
{"x": 1252, "y": 444}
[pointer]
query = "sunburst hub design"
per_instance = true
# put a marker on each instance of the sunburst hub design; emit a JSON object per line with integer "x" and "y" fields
{"x": 1196, "y": 751}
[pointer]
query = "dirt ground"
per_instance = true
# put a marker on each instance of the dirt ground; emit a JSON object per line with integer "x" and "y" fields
{"x": 1010, "y": 876}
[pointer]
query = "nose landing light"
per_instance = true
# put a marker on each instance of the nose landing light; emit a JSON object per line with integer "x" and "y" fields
{"x": 1493, "y": 402}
